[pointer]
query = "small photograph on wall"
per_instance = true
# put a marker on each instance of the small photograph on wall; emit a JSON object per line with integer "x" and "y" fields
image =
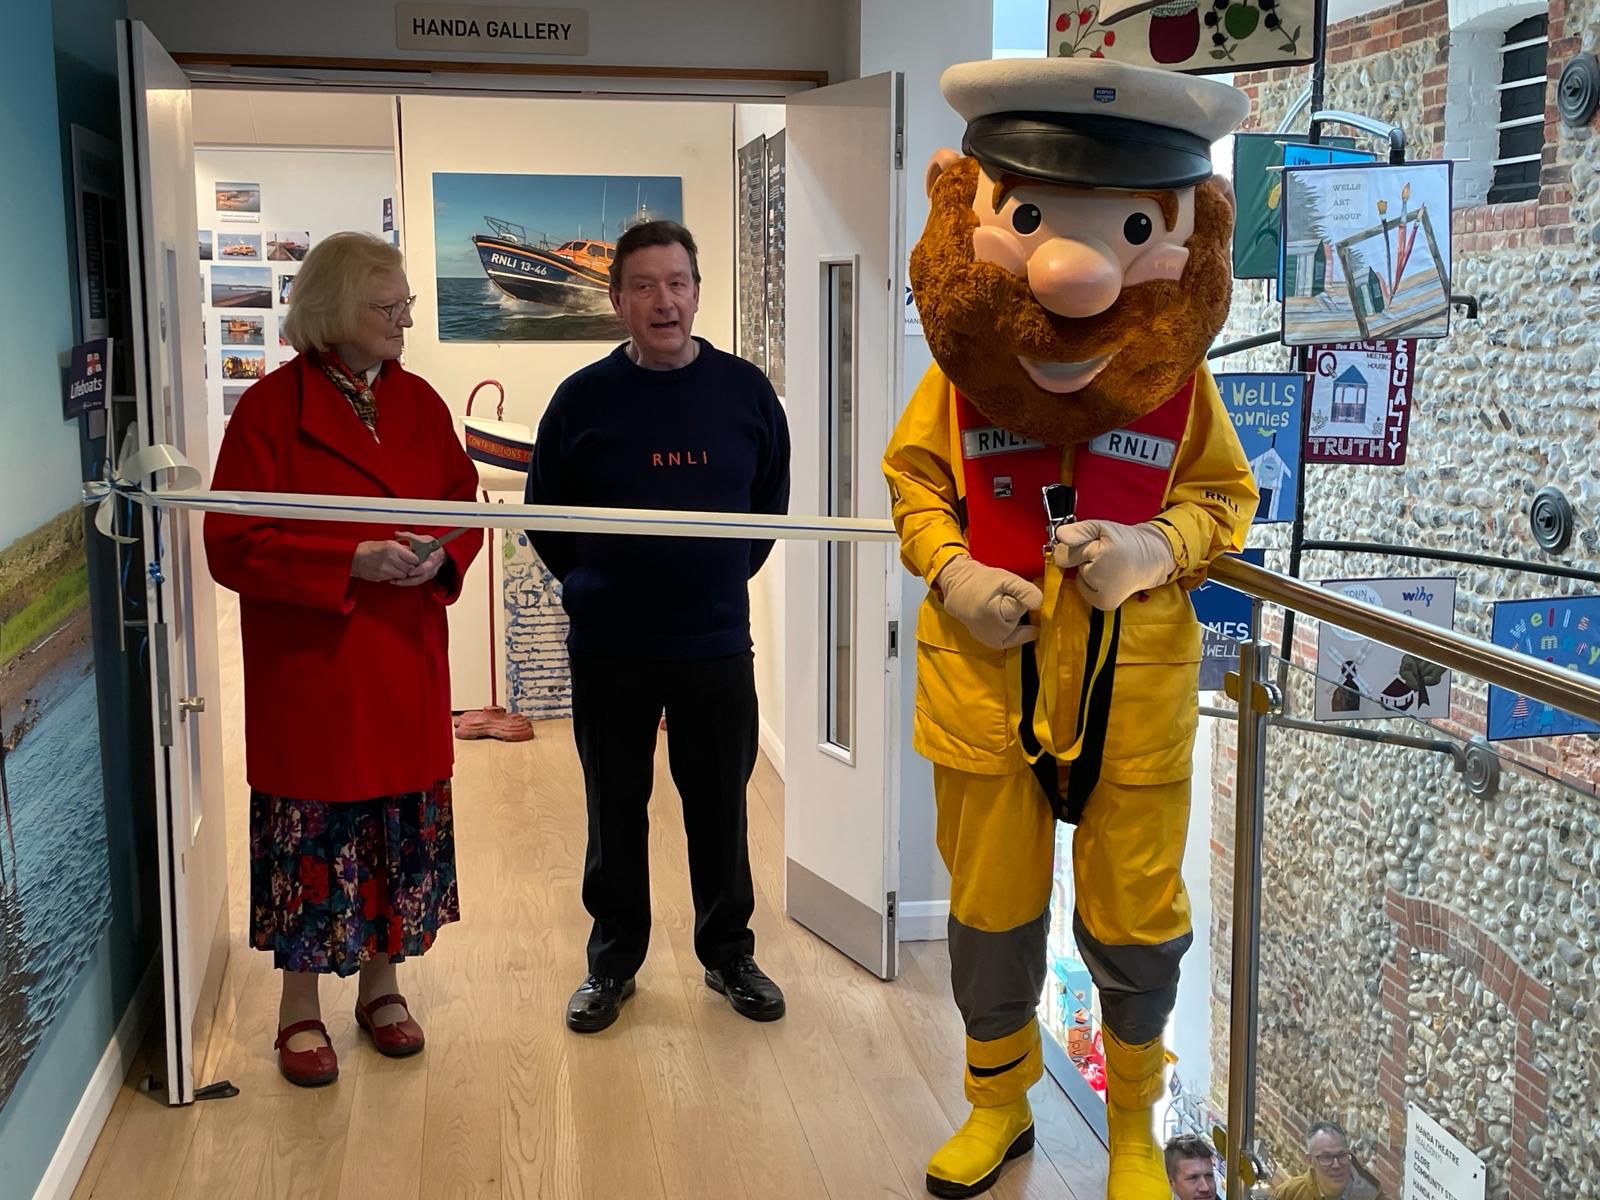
{"x": 206, "y": 252}
{"x": 239, "y": 199}
{"x": 285, "y": 286}
{"x": 239, "y": 247}
{"x": 244, "y": 364}
{"x": 241, "y": 287}
{"x": 1560, "y": 630}
{"x": 527, "y": 258}
{"x": 1366, "y": 252}
{"x": 241, "y": 330}
{"x": 230, "y": 397}
{"x": 288, "y": 247}
{"x": 54, "y": 881}
{"x": 1358, "y": 678}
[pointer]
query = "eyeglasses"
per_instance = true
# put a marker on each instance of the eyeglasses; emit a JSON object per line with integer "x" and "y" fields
{"x": 1331, "y": 1160}
{"x": 396, "y": 310}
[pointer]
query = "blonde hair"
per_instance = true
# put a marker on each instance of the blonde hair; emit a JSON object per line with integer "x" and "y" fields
{"x": 329, "y": 291}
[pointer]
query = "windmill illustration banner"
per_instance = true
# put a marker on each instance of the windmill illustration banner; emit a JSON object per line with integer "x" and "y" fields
{"x": 1196, "y": 37}
{"x": 1358, "y": 679}
{"x": 1360, "y": 410}
{"x": 1565, "y": 632}
{"x": 1366, "y": 252}
{"x": 1266, "y": 415}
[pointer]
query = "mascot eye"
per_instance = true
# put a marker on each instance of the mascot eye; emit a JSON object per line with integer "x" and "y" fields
{"x": 1137, "y": 229}
{"x": 1027, "y": 218}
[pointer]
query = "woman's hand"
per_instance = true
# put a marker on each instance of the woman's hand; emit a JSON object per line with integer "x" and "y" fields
{"x": 424, "y": 570}
{"x": 386, "y": 562}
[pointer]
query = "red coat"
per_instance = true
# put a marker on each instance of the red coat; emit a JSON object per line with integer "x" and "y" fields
{"x": 346, "y": 682}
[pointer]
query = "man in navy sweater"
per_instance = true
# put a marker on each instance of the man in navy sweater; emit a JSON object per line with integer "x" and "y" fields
{"x": 665, "y": 421}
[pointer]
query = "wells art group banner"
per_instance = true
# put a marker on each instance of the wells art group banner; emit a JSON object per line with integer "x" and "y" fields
{"x": 1366, "y": 252}
{"x": 527, "y": 258}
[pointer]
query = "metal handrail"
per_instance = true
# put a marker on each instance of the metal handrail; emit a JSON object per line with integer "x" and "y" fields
{"x": 1531, "y": 677}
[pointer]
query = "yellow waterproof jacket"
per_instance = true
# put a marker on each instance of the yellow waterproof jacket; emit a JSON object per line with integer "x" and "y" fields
{"x": 969, "y": 696}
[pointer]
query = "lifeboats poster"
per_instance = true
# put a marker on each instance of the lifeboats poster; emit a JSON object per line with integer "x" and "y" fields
{"x": 1197, "y": 37}
{"x": 1358, "y": 679}
{"x": 527, "y": 258}
{"x": 1560, "y": 630}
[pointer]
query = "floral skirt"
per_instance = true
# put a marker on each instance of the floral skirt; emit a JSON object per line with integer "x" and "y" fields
{"x": 336, "y": 886}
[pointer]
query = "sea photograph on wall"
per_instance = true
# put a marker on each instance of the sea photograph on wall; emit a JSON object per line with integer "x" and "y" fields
{"x": 527, "y": 258}
{"x": 54, "y": 883}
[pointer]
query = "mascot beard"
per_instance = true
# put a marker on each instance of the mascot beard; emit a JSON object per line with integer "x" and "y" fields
{"x": 979, "y": 318}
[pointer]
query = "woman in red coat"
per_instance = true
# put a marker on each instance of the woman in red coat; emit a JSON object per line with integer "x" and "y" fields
{"x": 348, "y": 740}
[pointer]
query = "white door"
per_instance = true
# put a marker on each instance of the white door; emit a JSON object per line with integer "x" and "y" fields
{"x": 158, "y": 150}
{"x": 844, "y": 256}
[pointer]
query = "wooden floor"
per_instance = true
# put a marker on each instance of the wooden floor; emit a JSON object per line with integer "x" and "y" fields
{"x": 844, "y": 1099}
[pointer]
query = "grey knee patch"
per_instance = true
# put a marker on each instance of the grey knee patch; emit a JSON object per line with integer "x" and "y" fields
{"x": 998, "y": 977}
{"x": 1138, "y": 984}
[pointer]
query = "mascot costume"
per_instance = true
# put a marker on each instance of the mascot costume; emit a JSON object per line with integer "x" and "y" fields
{"x": 1063, "y": 474}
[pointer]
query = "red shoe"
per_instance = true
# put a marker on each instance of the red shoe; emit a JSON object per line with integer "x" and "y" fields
{"x": 398, "y": 1039}
{"x": 306, "y": 1068}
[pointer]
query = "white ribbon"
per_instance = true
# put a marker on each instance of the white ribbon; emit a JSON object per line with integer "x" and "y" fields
{"x": 125, "y": 476}
{"x": 184, "y": 493}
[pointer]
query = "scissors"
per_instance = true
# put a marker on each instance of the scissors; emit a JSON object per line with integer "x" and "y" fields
{"x": 423, "y": 548}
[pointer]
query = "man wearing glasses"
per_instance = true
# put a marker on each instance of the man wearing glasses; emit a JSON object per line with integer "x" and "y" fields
{"x": 1334, "y": 1174}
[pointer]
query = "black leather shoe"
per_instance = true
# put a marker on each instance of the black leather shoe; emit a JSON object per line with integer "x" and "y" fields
{"x": 595, "y": 1005}
{"x": 750, "y": 992}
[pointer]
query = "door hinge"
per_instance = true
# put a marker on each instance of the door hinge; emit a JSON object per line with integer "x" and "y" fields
{"x": 894, "y": 639}
{"x": 891, "y": 904}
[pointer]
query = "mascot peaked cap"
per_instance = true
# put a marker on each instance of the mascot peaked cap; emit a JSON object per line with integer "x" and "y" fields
{"x": 1092, "y": 123}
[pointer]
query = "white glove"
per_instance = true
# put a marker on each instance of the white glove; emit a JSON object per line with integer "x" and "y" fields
{"x": 1114, "y": 561}
{"x": 989, "y": 602}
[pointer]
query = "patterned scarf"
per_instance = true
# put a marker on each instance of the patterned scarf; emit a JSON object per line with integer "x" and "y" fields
{"x": 355, "y": 389}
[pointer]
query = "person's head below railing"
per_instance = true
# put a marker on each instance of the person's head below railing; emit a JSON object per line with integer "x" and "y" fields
{"x": 1332, "y": 1170}
{"x": 1191, "y": 1167}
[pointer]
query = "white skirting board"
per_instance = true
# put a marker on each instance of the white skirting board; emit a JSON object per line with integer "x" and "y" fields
{"x": 772, "y": 746}
{"x": 924, "y": 921}
{"x": 77, "y": 1143}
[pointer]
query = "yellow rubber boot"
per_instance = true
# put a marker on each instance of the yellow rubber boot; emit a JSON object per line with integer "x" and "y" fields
{"x": 1137, "y": 1170}
{"x": 969, "y": 1163}
{"x": 999, "y": 1074}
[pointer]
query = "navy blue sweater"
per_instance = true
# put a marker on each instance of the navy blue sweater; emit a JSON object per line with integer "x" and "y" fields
{"x": 708, "y": 437}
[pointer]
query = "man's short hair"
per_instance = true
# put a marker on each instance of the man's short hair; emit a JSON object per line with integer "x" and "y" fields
{"x": 1326, "y": 1127}
{"x": 654, "y": 233}
{"x": 1186, "y": 1146}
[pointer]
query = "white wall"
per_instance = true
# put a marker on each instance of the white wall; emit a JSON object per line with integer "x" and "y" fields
{"x": 751, "y": 121}
{"x": 317, "y": 191}
{"x": 920, "y": 38}
{"x": 689, "y": 33}
{"x": 693, "y": 141}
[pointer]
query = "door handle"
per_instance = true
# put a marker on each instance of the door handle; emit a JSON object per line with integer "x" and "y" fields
{"x": 191, "y": 704}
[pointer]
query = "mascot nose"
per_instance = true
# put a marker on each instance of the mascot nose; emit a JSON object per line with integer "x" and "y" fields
{"x": 1073, "y": 278}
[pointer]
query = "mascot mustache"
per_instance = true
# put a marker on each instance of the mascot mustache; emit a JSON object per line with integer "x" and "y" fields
{"x": 979, "y": 318}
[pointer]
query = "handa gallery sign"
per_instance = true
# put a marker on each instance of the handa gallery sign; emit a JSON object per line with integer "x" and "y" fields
{"x": 495, "y": 30}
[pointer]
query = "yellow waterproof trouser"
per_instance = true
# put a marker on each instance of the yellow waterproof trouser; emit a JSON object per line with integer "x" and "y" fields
{"x": 996, "y": 834}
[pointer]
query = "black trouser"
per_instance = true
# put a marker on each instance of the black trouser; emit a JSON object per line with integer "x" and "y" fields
{"x": 710, "y": 706}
